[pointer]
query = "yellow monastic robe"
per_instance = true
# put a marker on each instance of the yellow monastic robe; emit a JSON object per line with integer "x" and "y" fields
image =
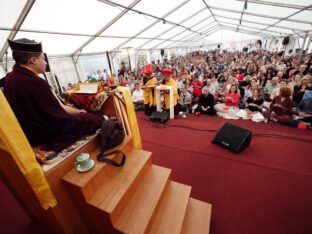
{"x": 148, "y": 97}
{"x": 172, "y": 83}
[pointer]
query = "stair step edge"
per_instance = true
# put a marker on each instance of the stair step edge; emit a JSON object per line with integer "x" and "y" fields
{"x": 197, "y": 218}
{"x": 137, "y": 214}
{"x": 172, "y": 210}
{"x": 110, "y": 194}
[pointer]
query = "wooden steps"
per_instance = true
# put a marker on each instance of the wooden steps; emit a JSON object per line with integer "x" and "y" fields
{"x": 197, "y": 219}
{"x": 136, "y": 198}
{"x": 170, "y": 216}
{"x": 112, "y": 196}
{"x": 140, "y": 209}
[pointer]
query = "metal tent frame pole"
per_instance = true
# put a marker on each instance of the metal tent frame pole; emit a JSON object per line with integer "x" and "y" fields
{"x": 17, "y": 25}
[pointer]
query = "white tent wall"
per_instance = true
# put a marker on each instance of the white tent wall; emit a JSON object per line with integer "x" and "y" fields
{"x": 2, "y": 72}
{"x": 155, "y": 55}
{"x": 92, "y": 64}
{"x": 64, "y": 69}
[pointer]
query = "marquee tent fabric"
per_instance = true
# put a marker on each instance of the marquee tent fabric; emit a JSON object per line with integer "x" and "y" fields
{"x": 73, "y": 27}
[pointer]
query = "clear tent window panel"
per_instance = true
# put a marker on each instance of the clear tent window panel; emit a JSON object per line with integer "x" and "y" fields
{"x": 259, "y": 19}
{"x": 69, "y": 16}
{"x": 166, "y": 44}
{"x": 128, "y": 25}
{"x": 255, "y": 26}
{"x": 304, "y": 15}
{"x": 186, "y": 11}
{"x": 183, "y": 35}
{"x": 101, "y": 44}
{"x": 157, "y": 8}
{"x": 54, "y": 44}
{"x": 123, "y": 2}
{"x": 151, "y": 44}
{"x": 156, "y": 30}
{"x": 10, "y": 11}
{"x": 269, "y": 10}
{"x": 173, "y": 32}
{"x": 3, "y": 37}
{"x": 197, "y": 19}
{"x": 221, "y": 13}
{"x": 203, "y": 23}
{"x": 280, "y": 30}
{"x": 292, "y": 2}
{"x": 134, "y": 43}
{"x": 229, "y": 21}
{"x": 226, "y": 4}
{"x": 295, "y": 26}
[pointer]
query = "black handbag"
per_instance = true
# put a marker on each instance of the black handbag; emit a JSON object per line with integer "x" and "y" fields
{"x": 111, "y": 135}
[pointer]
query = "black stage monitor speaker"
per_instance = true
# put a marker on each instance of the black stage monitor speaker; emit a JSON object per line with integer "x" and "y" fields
{"x": 285, "y": 41}
{"x": 158, "y": 116}
{"x": 162, "y": 52}
{"x": 233, "y": 137}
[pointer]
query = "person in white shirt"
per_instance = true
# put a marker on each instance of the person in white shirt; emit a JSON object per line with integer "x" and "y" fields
{"x": 137, "y": 97}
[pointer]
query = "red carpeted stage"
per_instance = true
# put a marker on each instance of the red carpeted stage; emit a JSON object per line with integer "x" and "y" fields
{"x": 265, "y": 189}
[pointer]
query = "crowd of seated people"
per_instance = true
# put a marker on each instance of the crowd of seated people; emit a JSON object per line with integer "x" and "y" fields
{"x": 261, "y": 86}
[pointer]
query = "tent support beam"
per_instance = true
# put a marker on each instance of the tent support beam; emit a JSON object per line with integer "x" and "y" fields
{"x": 17, "y": 26}
{"x": 275, "y": 4}
{"x": 196, "y": 13}
{"x": 259, "y": 23}
{"x": 151, "y": 25}
{"x": 106, "y": 26}
{"x": 209, "y": 31}
{"x": 243, "y": 26}
{"x": 285, "y": 18}
{"x": 260, "y": 15}
{"x": 76, "y": 69}
{"x": 80, "y": 34}
{"x": 179, "y": 33}
{"x": 302, "y": 48}
{"x": 308, "y": 45}
{"x": 209, "y": 8}
{"x": 144, "y": 13}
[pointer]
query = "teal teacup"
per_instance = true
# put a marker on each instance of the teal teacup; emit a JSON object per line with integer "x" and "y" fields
{"x": 83, "y": 162}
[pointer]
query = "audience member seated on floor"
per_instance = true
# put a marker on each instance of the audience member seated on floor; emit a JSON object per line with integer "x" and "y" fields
{"x": 43, "y": 118}
{"x": 304, "y": 108}
{"x": 276, "y": 92}
{"x": 248, "y": 90}
{"x": 269, "y": 87}
{"x": 229, "y": 108}
{"x": 281, "y": 107}
{"x": 180, "y": 84}
{"x": 253, "y": 107}
{"x": 206, "y": 103}
{"x": 137, "y": 97}
{"x": 197, "y": 88}
{"x": 296, "y": 81}
{"x": 185, "y": 101}
{"x": 189, "y": 87}
{"x": 300, "y": 90}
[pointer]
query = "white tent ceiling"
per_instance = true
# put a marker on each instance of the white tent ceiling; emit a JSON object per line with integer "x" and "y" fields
{"x": 71, "y": 27}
